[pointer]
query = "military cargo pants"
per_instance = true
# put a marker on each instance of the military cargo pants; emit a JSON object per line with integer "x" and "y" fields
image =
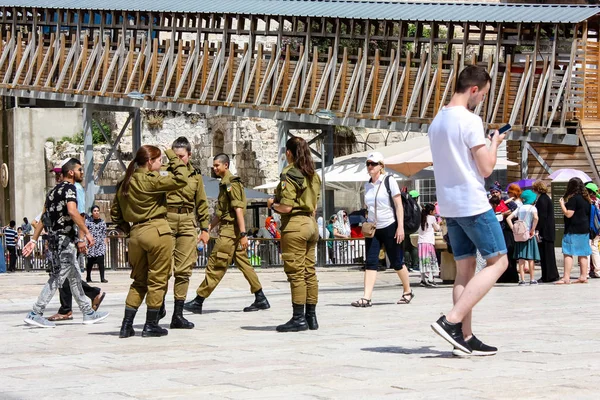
{"x": 227, "y": 249}
{"x": 150, "y": 257}
{"x": 299, "y": 238}
{"x": 185, "y": 253}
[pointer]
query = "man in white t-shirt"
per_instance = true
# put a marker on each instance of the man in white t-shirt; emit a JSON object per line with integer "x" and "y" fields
{"x": 461, "y": 161}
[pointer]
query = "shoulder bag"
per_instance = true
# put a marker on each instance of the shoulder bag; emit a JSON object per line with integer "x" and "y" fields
{"x": 369, "y": 228}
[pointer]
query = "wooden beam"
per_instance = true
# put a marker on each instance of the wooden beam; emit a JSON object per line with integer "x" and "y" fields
{"x": 188, "y": 67}
{"x": 505, "y": 114}
{"x": 238, "y": 76}
{"x": 137, "y": 66}
{"x": 406, "y": 84}
{"x": 113, "y": 64}
{"x": 295, "y": 80}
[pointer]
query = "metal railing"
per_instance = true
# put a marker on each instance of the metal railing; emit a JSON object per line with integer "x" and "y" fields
{"x": 262, "y": 253}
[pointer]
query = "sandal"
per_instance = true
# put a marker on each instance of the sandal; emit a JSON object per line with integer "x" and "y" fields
{"x": 580, "y": 281}
{"x": 61, "y": 317}
{"x": 562, "y": 282}
{"x": 406, "y": 298}
{"x": 362, "y": 302}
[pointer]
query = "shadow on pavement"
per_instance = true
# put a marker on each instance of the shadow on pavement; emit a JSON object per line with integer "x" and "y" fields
{"x": 259, "y": 328}
{"x": 426, "y": 350}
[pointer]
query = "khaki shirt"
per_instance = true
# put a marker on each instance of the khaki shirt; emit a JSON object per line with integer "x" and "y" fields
{"x": 148, "y": 192}
{"x": 231, "y": 196}
{"x": 191, "y": 196}
{"x": 297, "y": 191}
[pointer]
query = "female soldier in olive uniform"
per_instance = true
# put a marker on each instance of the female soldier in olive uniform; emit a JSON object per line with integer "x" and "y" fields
{"x": 186, "y": 209}
{"x": 142, "y": 201}
{"x": 296, "y": 199}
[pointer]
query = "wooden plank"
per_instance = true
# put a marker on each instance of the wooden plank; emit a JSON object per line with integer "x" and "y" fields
{"x": 44, "y": 62}
{"x": 304, "y": 88}
{"x": 279, "y": 80}
{"x": 323, "y": 83}
{"x": 105, "y": 57}
{"x": 258, "y": 72}
{"x": 563, "y": 115}
{"x": 238, "y": 76}
{"x": 126, "y": 67}
{"x": 295, "y": 80}
{"x": 396, "y": 93}
{"x": 67, "y": 65}
{"x": 387, "y": 82}
{"x": 438, "y": 84}
{"x": 313, "y": 82}
{"x": 55, "y": 63}
{"x": 527, "y": 73}
{"x": 174, "y": 68}
{"x": 446, "y": 90}
{"x": 113, "y": 64}
{"x": 268, "y": 76}
{"x": 197, "y": 74}
{"x": 423, "y": 70}
{"x": 428, "y": 97}
{"x": 224, "y": 73}
{"x": 557, "y": 98}
{"x": 21, "y": 65}
{"x": 179, "y": 61}
{"x": 153, "y": 63}
{"x": 249, "y": 79}
{"x": 407, "y": 68}
{"x": 354, "y": 82}
{"x": 508, "y": 73}
{"x": 344, "y": 75}
{"x": 99, "y": 67}
{"x": 498, "y": 98}
{"x": 34, "y": 59}
{"x": 375, "y": 74}
{"x": 213, "y": 71}
{"x": 538, "y": 94}
{"x": 286, "y": 76}
{"x": 230, "y": 61}
{"x": 12, "y": 59}
{"x": 188, "y": 67}
{"x": 138, "y": 64}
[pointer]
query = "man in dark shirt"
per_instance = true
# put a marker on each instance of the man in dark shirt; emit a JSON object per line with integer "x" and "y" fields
{"x": 10, "y": 235}
{"x": 59, "y": 218}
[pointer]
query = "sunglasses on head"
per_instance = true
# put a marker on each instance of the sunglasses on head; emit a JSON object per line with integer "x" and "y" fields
{"x": 372, "y": 164}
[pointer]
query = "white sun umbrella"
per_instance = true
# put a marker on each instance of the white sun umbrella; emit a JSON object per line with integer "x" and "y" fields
{"x": 414, "y": 161}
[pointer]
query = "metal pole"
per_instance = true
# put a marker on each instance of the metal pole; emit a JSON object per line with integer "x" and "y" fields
{"x": 88, "y": 148}
{"x": 136, "y": 131}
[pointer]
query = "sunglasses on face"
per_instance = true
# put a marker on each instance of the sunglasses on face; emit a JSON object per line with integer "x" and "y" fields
{"x": 372, "y": 164}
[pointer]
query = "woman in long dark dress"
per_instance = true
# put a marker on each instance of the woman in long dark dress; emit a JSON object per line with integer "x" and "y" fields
{"x": 545, "y": 228}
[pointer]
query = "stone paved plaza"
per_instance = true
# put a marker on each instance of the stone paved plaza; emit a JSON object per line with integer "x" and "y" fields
{"x": 549, "y": 340}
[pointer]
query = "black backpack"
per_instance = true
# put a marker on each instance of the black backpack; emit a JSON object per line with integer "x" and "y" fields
{"x": 412, "y": 211}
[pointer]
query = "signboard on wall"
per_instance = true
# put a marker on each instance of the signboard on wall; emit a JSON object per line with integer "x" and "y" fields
{"x": 558, "y": 190}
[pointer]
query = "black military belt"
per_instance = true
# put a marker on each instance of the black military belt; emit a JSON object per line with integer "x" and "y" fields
{"x": 147, "y": 220}
{"x": 179, "y": 210}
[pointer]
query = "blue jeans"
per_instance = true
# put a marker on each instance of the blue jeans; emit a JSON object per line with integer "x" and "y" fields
{"x": 478, "y": 232}
{"x": 393, "y": 250}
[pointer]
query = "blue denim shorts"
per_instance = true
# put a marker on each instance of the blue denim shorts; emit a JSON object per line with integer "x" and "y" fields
{"x": 479, "y": 232}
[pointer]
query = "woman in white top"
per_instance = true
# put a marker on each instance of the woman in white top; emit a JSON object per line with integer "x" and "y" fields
{"x": 527, "y": 253}
{"x": 428, "y": 263}
{"x": 389, "y": 230}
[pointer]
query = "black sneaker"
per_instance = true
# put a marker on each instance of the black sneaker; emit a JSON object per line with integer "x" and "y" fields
{"x": 452, "y": 333}
{"x": 478, "y": 348}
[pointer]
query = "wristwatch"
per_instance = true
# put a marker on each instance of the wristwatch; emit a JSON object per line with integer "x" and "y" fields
{"x": 243, "y": 234}
{"x": 204, "y": 229}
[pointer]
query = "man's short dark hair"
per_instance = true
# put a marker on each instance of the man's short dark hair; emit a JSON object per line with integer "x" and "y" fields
{"x": 70, "y": 166}
{"x": 182, "y": 143}
{"x": 12, "y": 224}
{"x": 472, "y": 75}
{"x": 222, "y": 158}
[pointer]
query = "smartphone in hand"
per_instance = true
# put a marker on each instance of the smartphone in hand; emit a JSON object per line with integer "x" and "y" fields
{"x": 502, "y": 130}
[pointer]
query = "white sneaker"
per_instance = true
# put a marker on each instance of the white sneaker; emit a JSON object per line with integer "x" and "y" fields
{"x": 94, "y": 317}
{"x": 39, "y": 321}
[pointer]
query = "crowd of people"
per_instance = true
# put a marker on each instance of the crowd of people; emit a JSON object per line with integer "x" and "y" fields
{"x": 164, "y": 211}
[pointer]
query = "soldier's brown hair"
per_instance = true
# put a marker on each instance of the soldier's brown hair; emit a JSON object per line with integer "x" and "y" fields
{"x": 301, "y": 155}
{"x": 143, "y": 155}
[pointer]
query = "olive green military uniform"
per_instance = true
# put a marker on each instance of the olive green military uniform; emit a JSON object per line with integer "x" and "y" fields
{"x": 231, "y": 196}
{"x": 187, "y": 208}
{"x": 299, "y": 233}
{"x": 150, "y": 246}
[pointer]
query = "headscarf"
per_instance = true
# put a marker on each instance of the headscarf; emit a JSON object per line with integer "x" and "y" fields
{"x": 271, "y": 226}
{"x": 528, "y": 197}
{"x": 342, "y": 227}
{"x": 496, "y": 187}
{"x": 320, "y": 225}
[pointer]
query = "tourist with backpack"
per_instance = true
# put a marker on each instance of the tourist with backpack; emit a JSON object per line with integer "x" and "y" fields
{"x": 575, "y": 205}
{"x": 526, "y": 248}
{"x": 386, "y": 225}
{"x": 592, "y": 190}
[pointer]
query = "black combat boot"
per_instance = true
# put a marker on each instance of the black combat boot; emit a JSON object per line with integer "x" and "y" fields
{"x": 178, "y": 322}
{"x": 298, "y": 321}
{"x": 151, "y": 327}
{"x": 195, "y": 305}
{"x": 163, "y": 310}
{"x": 260, "y": 302}
{"x": 311, "y": 317}
{"x": 127, "y": 325}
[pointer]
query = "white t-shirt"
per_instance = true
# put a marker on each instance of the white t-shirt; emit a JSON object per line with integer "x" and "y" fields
{"x": 460, "y": 188}
{"x": 428, "y": 235}
{"x": 385, "y": 213}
